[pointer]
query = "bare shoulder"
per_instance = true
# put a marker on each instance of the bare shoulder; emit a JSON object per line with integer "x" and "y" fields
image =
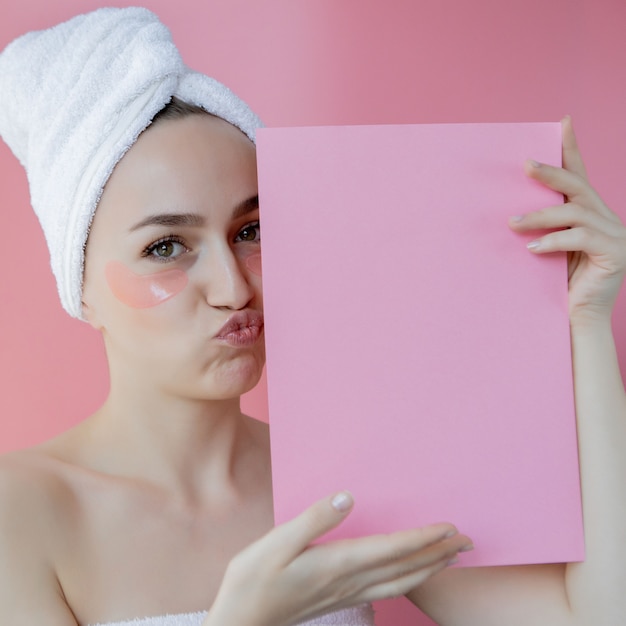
{"x": 30, "y": 478}
{"x": 34, "y": 494}
{"x": 34, "y": 501}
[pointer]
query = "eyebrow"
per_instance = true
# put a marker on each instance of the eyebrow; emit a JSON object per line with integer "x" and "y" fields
{"x": 169, "y": 219}
{"x": 245, "y": 207}
{"x": 194, "y": 219}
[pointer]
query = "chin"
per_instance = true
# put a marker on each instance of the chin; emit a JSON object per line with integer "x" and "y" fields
{"x": 238, "y": 377}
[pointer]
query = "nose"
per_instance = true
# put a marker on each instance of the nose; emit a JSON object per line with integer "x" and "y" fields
{"x": 227, "y": 285}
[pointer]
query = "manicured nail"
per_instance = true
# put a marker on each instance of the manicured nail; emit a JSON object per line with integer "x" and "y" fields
{"x": 467, "y": 548}
{"x": 517, "y": 218}
{"x": 534, "y": 163}
{"x": 342, "y": 502}
{"x": 533, "y": 245}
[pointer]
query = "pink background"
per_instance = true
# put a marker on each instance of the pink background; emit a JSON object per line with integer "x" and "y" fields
{"x": 301, "y": 62}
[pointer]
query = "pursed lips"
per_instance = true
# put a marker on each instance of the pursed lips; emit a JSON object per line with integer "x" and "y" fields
{"x": 242, "y": 328}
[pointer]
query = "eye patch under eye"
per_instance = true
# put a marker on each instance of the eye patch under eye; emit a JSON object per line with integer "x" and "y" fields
{"x": 253, "y": 263}
{"x": 143, "y": 291}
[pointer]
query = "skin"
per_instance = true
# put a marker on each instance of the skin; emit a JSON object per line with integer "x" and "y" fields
{"x": 168, "y": 481}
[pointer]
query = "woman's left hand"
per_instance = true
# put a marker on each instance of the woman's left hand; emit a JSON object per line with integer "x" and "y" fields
{"x": 592, "y": 235}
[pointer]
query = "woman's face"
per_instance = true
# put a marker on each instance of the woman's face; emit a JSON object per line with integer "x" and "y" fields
{"x": 172, "y": 274}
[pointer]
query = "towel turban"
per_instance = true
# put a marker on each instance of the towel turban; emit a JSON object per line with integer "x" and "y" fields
{"x": 74, "y": 98}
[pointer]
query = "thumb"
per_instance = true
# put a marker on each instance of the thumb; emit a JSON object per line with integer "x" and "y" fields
{"x": 294, "y": 536}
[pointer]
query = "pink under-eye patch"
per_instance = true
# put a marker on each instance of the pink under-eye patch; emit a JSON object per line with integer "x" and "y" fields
{"x": 253, "y": 263}
{"x": 143, "y": 291}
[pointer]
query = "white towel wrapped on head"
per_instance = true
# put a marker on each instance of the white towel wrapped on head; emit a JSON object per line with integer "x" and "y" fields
{"x": 74, "y": 98}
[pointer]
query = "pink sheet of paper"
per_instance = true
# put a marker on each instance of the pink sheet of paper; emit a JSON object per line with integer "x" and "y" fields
{"x": 418, "y": 354}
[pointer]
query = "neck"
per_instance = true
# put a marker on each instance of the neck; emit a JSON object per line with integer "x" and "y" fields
{"x": 198, "y": 450}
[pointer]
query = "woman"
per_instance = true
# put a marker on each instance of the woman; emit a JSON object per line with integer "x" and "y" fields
{"x": 160, "y": 502}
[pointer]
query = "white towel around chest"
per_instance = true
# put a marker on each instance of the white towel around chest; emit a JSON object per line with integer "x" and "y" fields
{"x": 358, "y": 616}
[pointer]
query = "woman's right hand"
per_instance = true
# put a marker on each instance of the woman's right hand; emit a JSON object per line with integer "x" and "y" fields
{"x": 281, "y": 580}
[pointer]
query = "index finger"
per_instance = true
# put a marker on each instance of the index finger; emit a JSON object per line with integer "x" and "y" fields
{"x": 574, "y": 187}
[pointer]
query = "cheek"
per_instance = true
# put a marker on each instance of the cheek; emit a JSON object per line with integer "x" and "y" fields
{"x": 253, "y": 263}
{"x": 143, "y": 291}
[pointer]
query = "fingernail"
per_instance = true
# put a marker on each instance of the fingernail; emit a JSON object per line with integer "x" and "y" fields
{"x": 534, "y": 163}
{"x": 450, "y": 533}
{"x": 467, "y": 548}
{"x": 517, "y": 218}
{"x": 342, "y": 502}
{"x": 453, "y": 561}
{"x": 533, "y": 245}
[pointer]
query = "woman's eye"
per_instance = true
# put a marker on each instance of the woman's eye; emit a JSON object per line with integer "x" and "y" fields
{"x": 250, "y": 232}
{"x": 165, "y": 249}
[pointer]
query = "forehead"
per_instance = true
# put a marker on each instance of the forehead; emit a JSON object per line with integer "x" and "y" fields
{"x": 196, "y": 162}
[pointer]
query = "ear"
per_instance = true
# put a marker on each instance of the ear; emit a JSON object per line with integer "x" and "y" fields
{"x": 89, "y": 315}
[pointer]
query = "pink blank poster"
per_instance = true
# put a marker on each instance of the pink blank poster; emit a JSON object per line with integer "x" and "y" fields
{"x": 418, "y": 354}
